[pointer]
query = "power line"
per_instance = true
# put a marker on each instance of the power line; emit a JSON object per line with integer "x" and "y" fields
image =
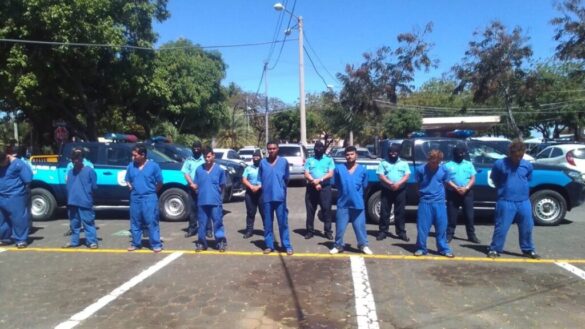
{"x": 285, "y": 36}
{"x": 315, "y": 68}
{"x": 318, "y": 58}
{"x": 108, "y": 45}
{"x": 275, "y": 34}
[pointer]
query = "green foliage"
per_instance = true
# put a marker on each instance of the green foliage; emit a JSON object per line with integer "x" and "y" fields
{"x": 570, "y": 30}
{"x": 400, "y": 122}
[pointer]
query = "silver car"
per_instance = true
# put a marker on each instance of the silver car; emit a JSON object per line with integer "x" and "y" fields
{"x": 296, "y": 155}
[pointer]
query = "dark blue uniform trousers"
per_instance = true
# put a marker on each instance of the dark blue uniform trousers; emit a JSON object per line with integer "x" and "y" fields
{"x": 314, "y": 198}
{"x": 253, "y": 204}
{"x": 506, "y": 211}
{"x": 14, "y": 219}
{"x": 144, "y": 212}
{"x": 282, "y": 216}
{"x": 432, "y": 213}
{"x": 456, "y": 201}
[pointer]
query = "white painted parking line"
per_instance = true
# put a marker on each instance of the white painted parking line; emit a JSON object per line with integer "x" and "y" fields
{"x": 91, "y": 309}
{"x": 2, "y": 250}
{"x": 365, "y": 306}
{"x": 573, "y": 269}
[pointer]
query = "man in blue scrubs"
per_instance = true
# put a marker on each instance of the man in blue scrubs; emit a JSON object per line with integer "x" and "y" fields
{"x": 459, "y": 192}
{"x": 15, "y": 178}
{"x": 86, "y": 163}
{"x": 253, "y": 196}
{"x": 393, "y": 174}
{"x": 81, "y": 183}
{"x": 189, "y": 168}
{"x": 512, "y": 176}
{"x": 209, "y": 184}
{"x": 318, "y": 172}
{"x": 144, "y": 179}
{"x": 351, "y": 180}
{"x": 431, "y": 179}
{"x": 274, "y": 174}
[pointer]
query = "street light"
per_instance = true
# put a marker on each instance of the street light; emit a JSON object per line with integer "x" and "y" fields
{"x": 280, "y": 7}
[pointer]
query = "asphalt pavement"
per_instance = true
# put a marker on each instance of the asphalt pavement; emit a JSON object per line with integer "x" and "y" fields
{"x": 45, "y": 286}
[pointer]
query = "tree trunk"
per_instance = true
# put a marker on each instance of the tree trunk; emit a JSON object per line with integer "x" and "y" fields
{"x": 511, "y": 116}
{"x": 351, "y": 137}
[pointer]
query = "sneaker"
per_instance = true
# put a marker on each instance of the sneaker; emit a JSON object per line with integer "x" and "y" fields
{"x": 209, "y": 234}
{"x": 531, "y": 254}
{"x": 493, "y": 254}
{"x": 200, "y": 247}
{"x": 70, "y": 245}
{"x": 381, "y": 236}
{"x": 93, "y": 246}
{"x": 157, "y": 250}
{"x": 290, "y": 252}
{"x": 247, "y": 235}
{"x": 68, "y": 233}
{"x": 329, "y": 236}
{"x": 309, "y": 235}
{"x": 419, "y": 253}
{"x": 335, "y": 250}
{"x": 267, "y": 251}
{"x": 366, "y": 250}
{"x": 221, "y": 246}
{"x": 449, "y": 239}
{"x": 449, "y": 254}
{"x": 21, "y": 245}
{"x": 132, "y": 248}
{"x": 190, "y": 233}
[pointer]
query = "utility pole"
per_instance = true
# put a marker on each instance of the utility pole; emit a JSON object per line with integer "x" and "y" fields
{"x": 266, "y": 94}
{"x": 302, "y": 84}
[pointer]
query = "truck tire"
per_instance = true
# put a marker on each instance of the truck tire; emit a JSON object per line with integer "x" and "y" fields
{"x": 174, "y": 205}
{"x": 374, "y": 206}
{"x": 43, "y": 204}
{"x": 548, "y": 207}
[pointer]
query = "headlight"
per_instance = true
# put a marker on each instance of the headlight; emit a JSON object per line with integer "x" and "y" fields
{"x": 576, "y": 176}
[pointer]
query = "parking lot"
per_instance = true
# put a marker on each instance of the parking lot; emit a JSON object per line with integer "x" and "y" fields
{"x": 45, "y": 286}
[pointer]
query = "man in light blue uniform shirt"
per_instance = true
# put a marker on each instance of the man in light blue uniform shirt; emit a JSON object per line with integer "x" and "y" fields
{"x": 274, "y": 175}
{"x": 318, "y": 172}
{"x": 459, "y": 192}
{"x": 189, "y": 168}
{"x": 393, "y": 174}
{"x": 144, "y": 179}
{"x": 512, "y": 176}
{"x": 431, "y": 179}
{"x": 351, "y": 180}
{"x": 253, "y": 197}
{"x": 209, "y": 184}
{"x": 15, "y": 179}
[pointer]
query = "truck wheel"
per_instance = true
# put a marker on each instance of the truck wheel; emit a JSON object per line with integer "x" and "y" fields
{"x": 174, "y": 205}
{"x": 548, "y": 207}
{"x": 374, "y": 205}
{"x": 43, "y": 204}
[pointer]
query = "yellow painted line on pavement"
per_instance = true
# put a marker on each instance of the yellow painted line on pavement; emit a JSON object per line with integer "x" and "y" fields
{"x": 306, "y": 255}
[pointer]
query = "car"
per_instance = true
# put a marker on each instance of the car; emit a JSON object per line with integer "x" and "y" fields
{"x": 234, "y": 170}
{"x": 296, "y": 155}
{"x": 501, "y": 144}
{"x": 228, "y": 154}
{"x": 567, "y": 155}
{"x": 246, "y": 153}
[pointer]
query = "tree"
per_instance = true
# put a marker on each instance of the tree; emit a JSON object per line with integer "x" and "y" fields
{"x": 570, "y": 30}
{"x": 190, "y": 87}
{"x": 400, "y": 122}
{"x": 494, "y": 67}
{"x": 287, "y": 124}
{"x": 384, "y": 75}
{"x": 79, "y": 84}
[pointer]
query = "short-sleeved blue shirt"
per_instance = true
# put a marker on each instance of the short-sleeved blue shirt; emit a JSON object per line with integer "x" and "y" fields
{"x": 512, "y": 183}
{"x": 350, "y": 186}
{"x": 209, "y": 185}
{"x": 251, "y": 174}
{"x": 393, "y": 171}
{"x": 274, "y": 178}
{"x": 191, "y": 164}
{"x": 431, "y": 185}
{"x": 80, "y": 187}
{"x": 144, "y": 181}
{"x": 460, "y": 173}
{"x": 14, "y": 178}
{"x": 319, "y": 167}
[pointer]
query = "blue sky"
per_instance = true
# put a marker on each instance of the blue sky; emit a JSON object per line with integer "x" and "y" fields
{"x": 341, "y": 31}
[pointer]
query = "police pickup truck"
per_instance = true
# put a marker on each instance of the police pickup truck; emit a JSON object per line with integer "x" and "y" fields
{"x": 110, "y": 161}
{"x": 553, "y": 190}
